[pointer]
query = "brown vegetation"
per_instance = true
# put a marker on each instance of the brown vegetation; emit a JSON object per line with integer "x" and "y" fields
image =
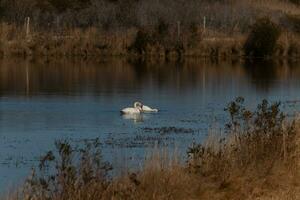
{"x": 258, "y": 158}
{"x": 92, "y": 42}
{"x": 161, "y": 28}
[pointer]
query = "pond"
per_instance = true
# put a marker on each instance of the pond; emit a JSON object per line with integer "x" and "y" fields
{"x": 45, "y": 100}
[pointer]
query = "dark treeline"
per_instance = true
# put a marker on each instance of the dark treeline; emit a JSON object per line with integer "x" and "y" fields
{"x": 207, "y": 28}
{"x": 118, "y": 14}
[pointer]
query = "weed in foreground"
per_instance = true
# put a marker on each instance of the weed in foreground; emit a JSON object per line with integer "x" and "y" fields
{"x": 69, "y": 173}
{"x": 255, "y": 140}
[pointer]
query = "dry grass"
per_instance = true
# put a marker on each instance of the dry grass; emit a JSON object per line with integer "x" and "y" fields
{"x": 277, "y": 6}
{"x": 288, "y": 45}
{"x": 69, "y": 43}
{"x": 92, "y": 42}
{"x": 162, "y": 177}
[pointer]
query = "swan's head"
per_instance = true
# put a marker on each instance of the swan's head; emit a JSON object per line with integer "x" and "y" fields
{"x": 138, "y": 105}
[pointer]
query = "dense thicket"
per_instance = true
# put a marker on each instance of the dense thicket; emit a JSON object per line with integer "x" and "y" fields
{"x": 295, "y": 1}
{"x": 262, "y": 39}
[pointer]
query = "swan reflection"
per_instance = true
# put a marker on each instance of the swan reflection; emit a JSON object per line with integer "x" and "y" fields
{"x": 136, "y": 118}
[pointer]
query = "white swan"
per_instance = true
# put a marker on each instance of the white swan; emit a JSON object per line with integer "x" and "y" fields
{"x": 137, "y": 109}
{"x": 146, "y": 108}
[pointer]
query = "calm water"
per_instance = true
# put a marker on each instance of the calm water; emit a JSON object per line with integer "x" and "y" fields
{"x": 41, "y": 101}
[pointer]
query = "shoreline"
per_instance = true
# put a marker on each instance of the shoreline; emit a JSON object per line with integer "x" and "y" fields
{"x": 135, "y": 44}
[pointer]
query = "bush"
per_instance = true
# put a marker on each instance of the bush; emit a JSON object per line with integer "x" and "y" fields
{"x": 294, "y": 50}
{"x": 254, "y": 140}
{"x": 162, "y": 28}
{"x": 194, "y": 35}
{"x": 297, "y": 2}
{"x": 262, "y": 39}
{"x": 142, "y": 40}
{"x": 294, "y": 22}
{"x": 69, "y": 173}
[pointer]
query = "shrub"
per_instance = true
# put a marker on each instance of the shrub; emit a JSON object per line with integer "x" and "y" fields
{"x": 294, "y": 50}
{"x": 162, "y": 28}
{"x": 297, "y": 2}
{"x": 294, "y": 21}
{"x": 142, "y": 40}
{"x": 194, "y": 36}
{"x": 262, "y": 39}
{"x": 69, "y": 173}
{"x": 254, "y": 138}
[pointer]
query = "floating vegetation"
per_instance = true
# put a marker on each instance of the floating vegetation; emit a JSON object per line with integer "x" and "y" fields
{"x": 139, "y": 141}
{"x": 168, "y": 130}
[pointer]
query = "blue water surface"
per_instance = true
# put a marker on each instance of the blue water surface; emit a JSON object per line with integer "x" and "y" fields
{"x": 44, "y": 101}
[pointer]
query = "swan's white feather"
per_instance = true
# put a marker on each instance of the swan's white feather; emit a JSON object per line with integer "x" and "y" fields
{"x": 148, "y": 109}
{"x": 130, "y": 111}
